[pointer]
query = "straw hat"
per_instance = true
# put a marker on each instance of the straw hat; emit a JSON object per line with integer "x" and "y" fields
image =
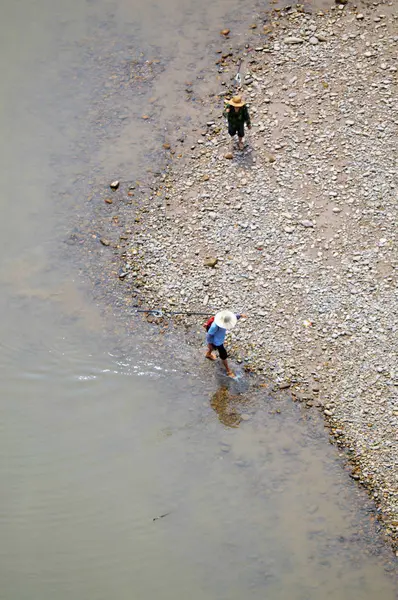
{"x": 225, "y": 319}
{"x": 236, "y": 101}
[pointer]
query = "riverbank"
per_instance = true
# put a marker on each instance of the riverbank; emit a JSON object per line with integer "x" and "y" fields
{"x": 301, "y": 225}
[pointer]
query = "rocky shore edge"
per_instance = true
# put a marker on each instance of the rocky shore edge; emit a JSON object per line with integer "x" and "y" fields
{"x": 299, "y": 229}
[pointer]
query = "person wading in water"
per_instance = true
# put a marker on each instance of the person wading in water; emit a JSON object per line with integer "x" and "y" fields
{"x": 237, "y": 114}
{"x": 217, "y": 328}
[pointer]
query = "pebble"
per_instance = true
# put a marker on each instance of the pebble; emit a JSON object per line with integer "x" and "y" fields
{"x": 284, "y": 385}
{"x": 211, "y": 262}
{"x": 293, "y": 40}
{"x": 242, "y": 463}
{"x": 105, "y": 242}
{"x": 114, "y": 185}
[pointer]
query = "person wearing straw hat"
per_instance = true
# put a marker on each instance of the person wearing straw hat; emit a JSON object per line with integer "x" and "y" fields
{"x": 237, "y": 114}
{"x": 224, "y": 321}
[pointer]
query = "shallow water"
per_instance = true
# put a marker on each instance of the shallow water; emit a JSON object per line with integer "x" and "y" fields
{"x": 99, "y": 433}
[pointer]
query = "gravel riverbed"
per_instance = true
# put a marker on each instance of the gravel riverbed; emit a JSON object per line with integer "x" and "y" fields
{"x": 300, "y": 229}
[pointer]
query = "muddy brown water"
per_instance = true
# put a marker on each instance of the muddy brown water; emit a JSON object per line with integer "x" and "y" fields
{"x": 101, "y": 432}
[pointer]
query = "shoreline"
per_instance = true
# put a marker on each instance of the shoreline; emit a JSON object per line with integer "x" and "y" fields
{"x": 301, "y": 225}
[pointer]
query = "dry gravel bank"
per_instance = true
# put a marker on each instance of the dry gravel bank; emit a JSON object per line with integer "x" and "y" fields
{"x": 303, "y": 225}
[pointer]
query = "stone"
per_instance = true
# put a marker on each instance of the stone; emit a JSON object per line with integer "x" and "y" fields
{"x": 360, "y": 16}
{"x": 114, "y": 185}
{"x": 313, "y": 40}
{"x": 225, "y": 32}
{"x": 105, "y": 242}
{"x": 108, "y": 201}
{"x": 307, "y": 223}
{"x": 288, "y": 229}
{"x": 284, "y": 385}
{"x": 293, "y": 40}
{"x": 228, "y": 155}
{"x": 210, "y": 262}
{"x": 245, "y": 417}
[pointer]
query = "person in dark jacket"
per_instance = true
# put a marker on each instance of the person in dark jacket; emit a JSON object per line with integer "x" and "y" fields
{"x": 237, "y": 114}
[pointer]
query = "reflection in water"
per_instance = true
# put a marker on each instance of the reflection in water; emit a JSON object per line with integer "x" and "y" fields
{"x": 224, "y": 405}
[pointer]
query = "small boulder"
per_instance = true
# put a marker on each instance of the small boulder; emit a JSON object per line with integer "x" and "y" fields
{"x": 210, "y": 262}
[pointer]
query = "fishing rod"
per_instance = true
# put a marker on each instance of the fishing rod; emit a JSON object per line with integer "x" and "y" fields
{"x": 238, "y": 76}
{"x": 158, "y": 312}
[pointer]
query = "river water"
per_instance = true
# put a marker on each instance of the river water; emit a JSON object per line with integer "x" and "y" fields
{"x": 100, "y": 432}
